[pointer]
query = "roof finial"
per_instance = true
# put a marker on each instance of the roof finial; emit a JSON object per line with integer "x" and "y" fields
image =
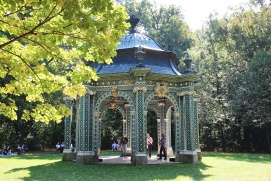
{"x": 140, "y": 54}
{"x": 133, "y": 21}
{"x": 187, "y": 60}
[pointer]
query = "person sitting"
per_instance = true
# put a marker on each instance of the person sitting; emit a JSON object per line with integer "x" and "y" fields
{"x": 7, "y": 151}
{"x": 114, "y": 146}
{"x": 62, "y": 146}
{"x": 58, "y": 147}
{"x": 20, "y": 150}
{"x": 118, "y": 145}
{"x": 24, "y": 148}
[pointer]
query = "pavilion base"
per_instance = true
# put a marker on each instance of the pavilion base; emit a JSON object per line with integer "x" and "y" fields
{"x": 186, "y": 157}
{"x": 86, "y": 158}
{"x": 169, "y": 152}
{"x": 140, "y": 159}
{"x": 68, "y": 155}
{"x": 128, "y": 152}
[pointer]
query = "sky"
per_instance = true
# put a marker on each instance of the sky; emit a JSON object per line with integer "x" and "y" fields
{"x": 196, "y": 12}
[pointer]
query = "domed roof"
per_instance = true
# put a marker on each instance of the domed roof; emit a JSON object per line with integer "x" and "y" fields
{"x": 134, "y": 40}
{"x": 159, "y": 60}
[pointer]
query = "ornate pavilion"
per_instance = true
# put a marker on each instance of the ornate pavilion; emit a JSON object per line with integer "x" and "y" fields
{"x": 143, "y": 76}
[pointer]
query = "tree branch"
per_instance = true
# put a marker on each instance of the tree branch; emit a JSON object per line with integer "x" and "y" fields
{"x": 47, "y": 19}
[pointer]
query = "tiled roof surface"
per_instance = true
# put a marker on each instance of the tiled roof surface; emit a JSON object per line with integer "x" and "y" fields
{"x": 123, "y": 64}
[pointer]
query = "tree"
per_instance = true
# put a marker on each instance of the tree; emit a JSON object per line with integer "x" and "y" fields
{"x": 40, "y": 39}
{"x": 234, "y": 109}
{"x": 253, "y": 101}
{"x": 165, "y": 24}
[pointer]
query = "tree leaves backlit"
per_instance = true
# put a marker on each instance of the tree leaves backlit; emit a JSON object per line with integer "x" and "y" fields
{"x": 40, "y": 39}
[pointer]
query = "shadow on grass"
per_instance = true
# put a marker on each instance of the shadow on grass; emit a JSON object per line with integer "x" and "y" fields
{"x": 248, "y": 157}
{"x": 39, "y": 156}
{"x": 68, "y": 170}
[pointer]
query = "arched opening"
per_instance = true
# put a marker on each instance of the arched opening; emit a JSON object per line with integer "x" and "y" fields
{"x": 161, "y": 112}
{"x": 152, "y": 130}
{"x": 111, "y": 128}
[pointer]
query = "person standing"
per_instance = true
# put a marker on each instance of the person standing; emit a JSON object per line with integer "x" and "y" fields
{"x": 163, "y": 146}
{"x": 123, "y": 142}
{"x": 149, "y": 144}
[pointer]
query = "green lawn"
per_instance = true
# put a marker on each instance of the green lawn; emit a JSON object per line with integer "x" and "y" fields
{"x": 214, "y": 166}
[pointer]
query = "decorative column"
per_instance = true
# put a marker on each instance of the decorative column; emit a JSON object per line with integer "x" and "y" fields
{"x": 196, "y": 126}
{"x": 68, "y": 155}
{"x": 128, "y": 128}
{"x": 178, "y": 133}
{"x": 133, "y": 137}
{"x": 159, "y": 132}
{"x": 87, "y": 140}
{"x": 140, "y": 157}
{"x": 188, "y": 153}
{"x": 124, "y": 124}
{"x": 168, "y": 133}
{"x": 96, "y": 134}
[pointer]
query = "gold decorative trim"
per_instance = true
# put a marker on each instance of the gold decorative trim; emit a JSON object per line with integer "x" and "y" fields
{"x": 187, "y": 93}
{"x": 114, "y": 91}
{"x": 137, "y": 88}
{"x": 161, "y": 89}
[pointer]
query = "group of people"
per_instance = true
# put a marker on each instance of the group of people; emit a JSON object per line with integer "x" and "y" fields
{"x": 115, "y": 146}
{"x": 123, "y": 146}
{"x": 21, "y": 149}
{"x": 6, "y": 151}
{"x": 60, "y": 147}
{"x": 124, "y": 141}
{"x": 162, "y": 143}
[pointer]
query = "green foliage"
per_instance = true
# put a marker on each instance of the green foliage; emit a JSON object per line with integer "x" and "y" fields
{"x": 111, "y": 128}
{"x": 235, "y": 96}
{"x": 165, "y": 24}
{"x": 252, "y": 100}
{"x": 38, "y": 37}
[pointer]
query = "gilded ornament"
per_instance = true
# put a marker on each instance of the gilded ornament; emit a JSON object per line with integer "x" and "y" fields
{"x": 161, "y": 89}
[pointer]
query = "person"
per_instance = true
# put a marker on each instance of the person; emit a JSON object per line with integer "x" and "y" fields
{"x": 24, "y": 148}
{"x": 58, "y": 147}
{"x": 163, "y": 146}
{"x": 71, "y": 147}
{"x": 149, "y": 144}
{"x": 123, "y": 142}
{"x": 7, "y": 151}
{"x": 20, "y": 150}
{"x": 114, "y": 146}
{"x": 118, "y": 145}
{"x": 62, "y": 146}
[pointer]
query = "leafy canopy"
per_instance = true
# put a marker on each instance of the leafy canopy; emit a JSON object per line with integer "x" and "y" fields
{"x": 39, "y": 39}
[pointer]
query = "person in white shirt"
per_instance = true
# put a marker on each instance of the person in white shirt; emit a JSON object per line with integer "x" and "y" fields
{"x": 149, "y": 144}
{"x": 57, "y": 146}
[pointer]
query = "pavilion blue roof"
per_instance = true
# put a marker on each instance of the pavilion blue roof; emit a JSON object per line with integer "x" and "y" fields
{"x": 159, "y": 60}
{"x": 133, "y": 40}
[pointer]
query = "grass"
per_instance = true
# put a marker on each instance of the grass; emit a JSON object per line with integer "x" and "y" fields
{"x": 214, "y": 166}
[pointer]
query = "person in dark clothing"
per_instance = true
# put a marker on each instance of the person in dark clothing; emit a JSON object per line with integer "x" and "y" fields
{"x": 7, "y": 151}
{"x": 163, "y": 146}
{"x": 123, "y": 142}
